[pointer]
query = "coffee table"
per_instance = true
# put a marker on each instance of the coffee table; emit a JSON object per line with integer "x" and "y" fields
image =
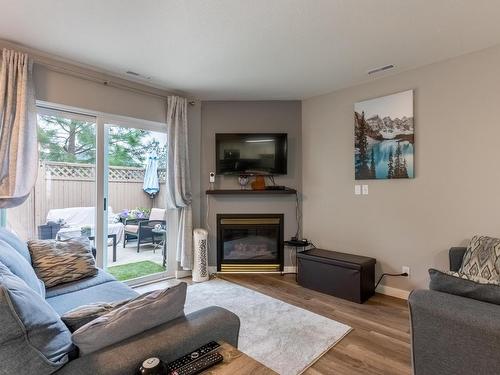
{"x": 236, "y": 362}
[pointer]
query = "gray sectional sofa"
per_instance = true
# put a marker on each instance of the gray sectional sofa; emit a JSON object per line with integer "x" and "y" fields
{"x": 167, "y": 341}
{"x": 451, "y": 334}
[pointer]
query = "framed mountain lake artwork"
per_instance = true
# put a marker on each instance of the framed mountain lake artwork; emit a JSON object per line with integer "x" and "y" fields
{"x": 384, "y": 137}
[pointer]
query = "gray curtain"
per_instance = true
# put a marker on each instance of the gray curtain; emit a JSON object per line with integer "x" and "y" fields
{"x": 18, "y": 138}
{"x": 178, "y": 187}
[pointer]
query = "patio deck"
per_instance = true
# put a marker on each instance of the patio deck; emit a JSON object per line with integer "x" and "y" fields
{"x": 129, "y": 254}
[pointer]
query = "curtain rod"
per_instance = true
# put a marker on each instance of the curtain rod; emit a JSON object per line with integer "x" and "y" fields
{"x": 105, "y": 82}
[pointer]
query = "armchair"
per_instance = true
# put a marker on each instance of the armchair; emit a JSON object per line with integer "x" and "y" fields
{"x": 453, "y": 335}
{"x": 142, "y": 229}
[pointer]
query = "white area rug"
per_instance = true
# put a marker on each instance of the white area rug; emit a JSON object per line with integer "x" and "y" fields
{"x": 283, "y": 337}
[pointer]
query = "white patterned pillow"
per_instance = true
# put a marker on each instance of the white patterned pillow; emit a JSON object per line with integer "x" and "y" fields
{"x": 57, "y": 262}
{"x": 482, "y": 258}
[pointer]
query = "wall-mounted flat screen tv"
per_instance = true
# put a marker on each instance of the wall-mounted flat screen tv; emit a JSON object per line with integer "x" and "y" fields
{"x": 251, "y": 153}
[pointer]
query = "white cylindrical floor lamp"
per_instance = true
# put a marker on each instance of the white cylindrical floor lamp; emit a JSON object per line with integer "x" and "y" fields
{"x": 200, "y": 266}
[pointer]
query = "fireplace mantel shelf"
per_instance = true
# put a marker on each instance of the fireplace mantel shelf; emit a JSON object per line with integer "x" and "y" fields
{"x": 250, "y": 192}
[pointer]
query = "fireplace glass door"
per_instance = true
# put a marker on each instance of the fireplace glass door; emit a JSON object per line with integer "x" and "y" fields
{"x": 250, "y": 242}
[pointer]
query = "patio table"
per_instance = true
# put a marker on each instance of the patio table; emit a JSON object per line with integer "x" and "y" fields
{"x": 111, "y": 236}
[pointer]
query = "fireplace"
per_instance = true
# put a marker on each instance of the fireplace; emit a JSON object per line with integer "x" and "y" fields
{"x": 250, "y": 242}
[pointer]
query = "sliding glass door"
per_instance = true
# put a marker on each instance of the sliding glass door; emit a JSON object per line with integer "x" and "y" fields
{"x": 102, "y": 177}
{"x": 136, "y": 161}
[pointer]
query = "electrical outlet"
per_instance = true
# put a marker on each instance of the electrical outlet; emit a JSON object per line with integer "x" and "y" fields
{"x": 357, "y": 189}
{"x": 212, "y": 177}
{"x": 364, "y": 189}
{"x": 406, "y": 269}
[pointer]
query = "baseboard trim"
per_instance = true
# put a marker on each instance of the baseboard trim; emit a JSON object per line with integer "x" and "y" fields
{"x": 382, "y": 289}
{"x": 180, "y": 274}
{"x": 393, "y": 292}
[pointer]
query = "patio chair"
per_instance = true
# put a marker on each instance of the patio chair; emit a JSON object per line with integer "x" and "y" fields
{"x": 142, "y": 229}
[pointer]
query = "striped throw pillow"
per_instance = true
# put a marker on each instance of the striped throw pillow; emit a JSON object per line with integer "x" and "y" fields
{"x": 58, "y": 262}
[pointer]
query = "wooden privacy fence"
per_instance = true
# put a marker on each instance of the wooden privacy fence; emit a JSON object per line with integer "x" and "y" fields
{"x": 62, "y": 185}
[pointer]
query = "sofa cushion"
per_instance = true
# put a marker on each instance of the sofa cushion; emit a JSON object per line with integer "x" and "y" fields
{"x": 100, "y": 278}
{"x": 111, "y": 291}
{"x": 82, "y": 315}
{"x": 466, "y": 286}
{"x": 482, "y": 258}
{"x": 34, "y": 339}
{"x": 138, "y": 315}
{"x": 14, "y": 241}
{"x": 58, "y": 262}
{"x": 18, "y": 265}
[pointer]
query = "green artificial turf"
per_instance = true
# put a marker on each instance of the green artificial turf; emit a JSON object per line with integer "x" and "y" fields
{"x": 134, "y": 270}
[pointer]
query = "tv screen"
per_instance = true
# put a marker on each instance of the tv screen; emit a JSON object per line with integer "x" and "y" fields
{"x": 251, "y": 153}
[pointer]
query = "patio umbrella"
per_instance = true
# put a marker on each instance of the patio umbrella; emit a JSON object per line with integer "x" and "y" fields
{"x": 151, "y": 184}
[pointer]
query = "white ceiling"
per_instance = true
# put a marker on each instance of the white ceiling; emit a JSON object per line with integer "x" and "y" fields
{"x": 253, "y": 49}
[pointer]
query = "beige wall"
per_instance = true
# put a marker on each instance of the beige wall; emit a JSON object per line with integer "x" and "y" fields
{"x": 65, "y": 89}
{"x": 456, "y": 192}
{"x": 250, "y": 117}
{"x": 55, "y": 86}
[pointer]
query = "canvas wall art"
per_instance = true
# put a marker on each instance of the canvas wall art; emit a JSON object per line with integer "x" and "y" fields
{"x": 384, "y": 137}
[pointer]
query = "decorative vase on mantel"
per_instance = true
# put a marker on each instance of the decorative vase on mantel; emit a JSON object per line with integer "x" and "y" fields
{"x": 243, "y": 181}
{"x": 259, "y": 183}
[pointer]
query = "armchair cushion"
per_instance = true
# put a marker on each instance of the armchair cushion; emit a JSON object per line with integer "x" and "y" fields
{"x": 131, "y": 228}
{"x": 138, "y": 315}
{"x": 157, "y": 214}
{"x": 466, "y": 286}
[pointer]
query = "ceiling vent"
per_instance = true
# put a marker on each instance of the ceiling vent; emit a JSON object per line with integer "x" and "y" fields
{"x": 381, "y": 69}
{"x": 135, "y": 74}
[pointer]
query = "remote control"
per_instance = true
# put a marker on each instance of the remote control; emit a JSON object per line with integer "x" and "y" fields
{"x": 191, "y": 357}
{"x": 199, "y": 365}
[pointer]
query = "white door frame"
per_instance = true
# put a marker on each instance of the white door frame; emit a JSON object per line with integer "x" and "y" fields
{"x": 102, "y": 121}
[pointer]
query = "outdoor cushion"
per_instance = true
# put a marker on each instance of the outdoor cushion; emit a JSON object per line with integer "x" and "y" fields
{"x": 82, "y": 315}
{"x": 87, "y": 282}
{"x": 111, "y": 291}
{"x": 131, "y": 228}
{"x": 57, "y": 262}
{"x": 20, "y": 246}
{"x": 34, "y": 339}
{"x": 18, "y": 265}
{"x": 157, "y": 214}
{"x": 138, "y": 315}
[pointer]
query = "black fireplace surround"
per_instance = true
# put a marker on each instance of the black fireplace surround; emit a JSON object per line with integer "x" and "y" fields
{"x": 250, "y": 242}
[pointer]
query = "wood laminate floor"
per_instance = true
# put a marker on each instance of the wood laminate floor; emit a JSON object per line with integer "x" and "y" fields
{"x": 379, "y": 342}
